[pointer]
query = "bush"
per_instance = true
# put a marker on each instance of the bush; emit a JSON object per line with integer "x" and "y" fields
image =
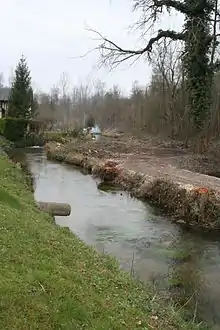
{"x": 2, "y": 126}
{"x": 13, "y": 129}
{"x": 63, "y": 136}
{"x": 54, "y": 136}
{"x": 30, "y": 140}
{"x": 5, "y": 145}
{"x": 72, "y": 133}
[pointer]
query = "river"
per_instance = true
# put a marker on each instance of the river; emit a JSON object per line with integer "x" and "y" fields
{"x": 182, "y": 264}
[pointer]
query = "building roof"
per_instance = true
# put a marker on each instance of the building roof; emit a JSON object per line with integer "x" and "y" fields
{"x": 4, "y": 93}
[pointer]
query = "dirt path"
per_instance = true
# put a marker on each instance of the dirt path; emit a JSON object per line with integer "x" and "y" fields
{"x": 157, "y": 167}
{"x": 156, "y": 159}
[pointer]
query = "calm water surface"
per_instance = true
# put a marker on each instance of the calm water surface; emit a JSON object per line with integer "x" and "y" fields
{"x": 183, "y": 264}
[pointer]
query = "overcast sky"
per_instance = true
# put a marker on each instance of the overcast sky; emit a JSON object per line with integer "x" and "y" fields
{"x": 50, "y": 33}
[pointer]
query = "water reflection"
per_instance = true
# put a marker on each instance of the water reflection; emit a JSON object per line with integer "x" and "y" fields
{"x": 184, "y": 263}
{"x": 192, "y": 282}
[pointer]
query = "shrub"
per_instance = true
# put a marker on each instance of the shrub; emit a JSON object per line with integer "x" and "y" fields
{"x": 2, "y": 126}
{"x": 13, "y": 129}
{"x": 63, "y": 136}
{"x": 29, "y": 140}
{"x": 72, "y": 133}
{"x": 53, "y": 136}
{"x": 5, "y": 145}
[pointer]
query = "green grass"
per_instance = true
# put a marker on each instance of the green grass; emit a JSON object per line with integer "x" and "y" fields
{"x": 49, "y": 279}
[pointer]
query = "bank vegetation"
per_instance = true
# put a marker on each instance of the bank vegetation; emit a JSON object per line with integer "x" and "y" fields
{"x": 50, "y": 279}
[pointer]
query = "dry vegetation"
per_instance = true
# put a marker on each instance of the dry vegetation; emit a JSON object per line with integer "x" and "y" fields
{"x": 158, "y": 133}
{"x": 159, "y": 109}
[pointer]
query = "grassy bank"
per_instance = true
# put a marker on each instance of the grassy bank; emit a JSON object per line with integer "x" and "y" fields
{"x": 50, "y": 279}
{"x": 28, "y": 140}
{"x": 5, "y": 145}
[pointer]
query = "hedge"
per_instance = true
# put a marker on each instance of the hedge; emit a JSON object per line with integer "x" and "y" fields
{"x": 13, "y": 129}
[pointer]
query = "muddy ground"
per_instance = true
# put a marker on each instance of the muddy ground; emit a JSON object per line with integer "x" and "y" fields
{"x": 156, "y": 158}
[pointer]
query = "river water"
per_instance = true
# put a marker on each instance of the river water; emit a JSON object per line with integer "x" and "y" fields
{"x": 182, "y": 264}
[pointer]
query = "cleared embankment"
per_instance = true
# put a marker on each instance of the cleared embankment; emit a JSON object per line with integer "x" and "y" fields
{"x": 190, "y": 204}
{"x": 50, "y": 279}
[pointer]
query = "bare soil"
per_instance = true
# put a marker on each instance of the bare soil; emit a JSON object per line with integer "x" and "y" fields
{"x": 150, "y": 172}
{"x": 157, "y": 158}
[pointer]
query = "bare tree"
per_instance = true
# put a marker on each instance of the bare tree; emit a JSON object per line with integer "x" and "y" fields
{"x": 198, "y": 38}
{"x": 48, "y": 105}
{"x": 2, "y": 81}
{"x": 45, "y": 109}
{"x": 80, "y": 103}
{"x": 166, "y": 58}
{"x": 113, "y": 54}
{"x": 65, "y": 102}
{"x": 150, "y": 11}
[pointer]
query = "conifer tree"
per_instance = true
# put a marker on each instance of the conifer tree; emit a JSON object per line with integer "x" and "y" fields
{"x": 22, "y": 103}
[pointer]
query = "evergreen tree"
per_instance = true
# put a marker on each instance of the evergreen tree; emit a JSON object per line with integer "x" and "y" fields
{"x": 22, "y": 103}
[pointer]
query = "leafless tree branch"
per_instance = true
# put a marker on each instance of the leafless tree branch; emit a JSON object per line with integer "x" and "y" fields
{"x": 151, "y": 10}
{"x": 112, "y": 54}
{"x": 159, "y": 4}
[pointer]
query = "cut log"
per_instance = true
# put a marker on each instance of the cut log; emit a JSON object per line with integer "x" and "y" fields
{"x": 55, "y": 209}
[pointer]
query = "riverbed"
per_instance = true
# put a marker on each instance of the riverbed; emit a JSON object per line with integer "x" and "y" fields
{"x": 182, "y": 264}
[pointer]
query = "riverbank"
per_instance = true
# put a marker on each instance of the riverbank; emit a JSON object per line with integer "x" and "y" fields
{"x": 190, "y": 198}
{"x": 5, "y": 145}
{"x": 51, "y": 280}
